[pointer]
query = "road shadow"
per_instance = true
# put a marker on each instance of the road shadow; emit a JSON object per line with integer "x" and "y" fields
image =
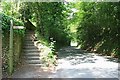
{"x": 76, "y": 56}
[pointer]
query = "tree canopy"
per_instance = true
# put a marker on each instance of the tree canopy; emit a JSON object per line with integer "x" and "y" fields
{"x": 98, "y": 27}
{"x": 93, "y": 25}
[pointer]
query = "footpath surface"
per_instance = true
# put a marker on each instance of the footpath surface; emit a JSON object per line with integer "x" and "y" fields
{"x": 73, "y": 63}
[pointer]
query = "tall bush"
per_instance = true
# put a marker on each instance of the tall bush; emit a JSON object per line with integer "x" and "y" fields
{"x": 98, "y": 28}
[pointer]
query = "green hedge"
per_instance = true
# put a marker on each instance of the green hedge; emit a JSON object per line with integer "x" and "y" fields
{"x": 18, "y": 39}
{"x": 98, "y": 29}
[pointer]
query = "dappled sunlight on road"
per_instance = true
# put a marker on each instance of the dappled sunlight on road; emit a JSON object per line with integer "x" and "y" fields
{"x": 74, "y": 63}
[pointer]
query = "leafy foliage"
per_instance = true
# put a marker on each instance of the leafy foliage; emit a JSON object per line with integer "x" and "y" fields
{"x": 97, "y": 24}
{"x": 49, "y": 19}
{"x": 6, "y": 24}
{"x": 11, "y": 8}
{"x": 98, "y": 28}
{"x": 52, "y": 57}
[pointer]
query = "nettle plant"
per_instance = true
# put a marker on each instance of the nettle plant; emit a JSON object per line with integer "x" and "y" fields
{"x": 51, "y": 58}
{"x": 52, "y": 45}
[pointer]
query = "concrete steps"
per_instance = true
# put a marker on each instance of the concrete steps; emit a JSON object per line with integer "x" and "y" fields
{"x": 32, "y": 57}
{"x": 29, "y": 44}
{"x": 36, "y": 65}
{"x": 31, "y": 52}
{"x": 30, "y": 47}
{"x": 33, "y": 61}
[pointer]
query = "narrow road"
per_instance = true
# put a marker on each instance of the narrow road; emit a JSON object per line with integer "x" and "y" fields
{"x": 74, "y": 63}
